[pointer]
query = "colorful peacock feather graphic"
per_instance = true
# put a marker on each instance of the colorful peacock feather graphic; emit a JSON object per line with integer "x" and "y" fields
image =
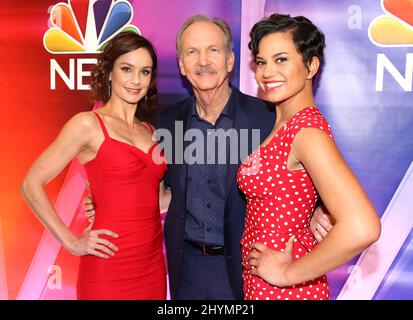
{"x": 84, "y": 26}
{"x": 395, "y": 28}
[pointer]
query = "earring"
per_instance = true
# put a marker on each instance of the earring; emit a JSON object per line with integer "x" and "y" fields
{"x": 145, "y": 101}
{"x": 109, "y": 89}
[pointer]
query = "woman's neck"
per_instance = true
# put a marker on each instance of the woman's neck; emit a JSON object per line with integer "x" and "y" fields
{"x": 121, "y": 110}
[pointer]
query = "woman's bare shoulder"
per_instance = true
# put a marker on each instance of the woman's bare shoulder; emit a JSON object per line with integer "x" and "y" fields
{"x": 83, "y": 126}
{"x": 86, "y": 120}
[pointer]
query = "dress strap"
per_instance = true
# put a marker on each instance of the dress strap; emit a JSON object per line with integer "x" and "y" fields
{"x": 102, "y": 125}
{"x": 151, "y": 127}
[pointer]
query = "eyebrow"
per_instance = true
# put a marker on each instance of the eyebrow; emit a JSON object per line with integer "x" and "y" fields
{"x": 131, "y": 65}
{"x": 213, "y": 45}
{"x": 273, "y": 56}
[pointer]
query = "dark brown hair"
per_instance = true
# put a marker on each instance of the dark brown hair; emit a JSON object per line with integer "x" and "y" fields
{"x": 123, "y": 43}
{"x": 308, "y": 39}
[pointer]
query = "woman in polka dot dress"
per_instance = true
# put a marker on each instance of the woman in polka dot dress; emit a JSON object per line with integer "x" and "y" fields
{"x": 284, "y": 177}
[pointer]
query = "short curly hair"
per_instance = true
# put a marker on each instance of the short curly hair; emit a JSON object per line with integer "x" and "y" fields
{"x": 308, "y": 39}
{"x": 123, "y": 43}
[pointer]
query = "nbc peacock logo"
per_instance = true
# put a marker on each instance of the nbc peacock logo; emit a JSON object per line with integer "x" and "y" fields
{"x": 84, "y": 26}
{"x": 395, "y": 27}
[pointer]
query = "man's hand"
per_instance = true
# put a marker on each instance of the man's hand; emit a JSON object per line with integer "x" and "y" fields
{"x": 321, "y": 223}
{"x": 89, "y": 208}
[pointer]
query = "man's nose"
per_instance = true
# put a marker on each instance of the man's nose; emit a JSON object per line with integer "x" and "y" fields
{"x": 203, "y": 58}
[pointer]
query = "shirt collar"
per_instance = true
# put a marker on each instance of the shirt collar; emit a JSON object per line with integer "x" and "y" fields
{"x": 228, "y": 111}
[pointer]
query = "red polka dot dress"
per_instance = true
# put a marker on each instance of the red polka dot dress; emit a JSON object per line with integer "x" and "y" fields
{"x": 280, "y": 204}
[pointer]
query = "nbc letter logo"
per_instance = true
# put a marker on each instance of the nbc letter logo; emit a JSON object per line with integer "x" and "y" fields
{"x": 84, "y": 26}
{"x": 395, "y": 27}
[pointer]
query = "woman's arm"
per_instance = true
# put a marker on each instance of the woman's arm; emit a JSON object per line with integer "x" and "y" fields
{"x": 356, "y": 222}
{"x": 164, "y": 197}
{"x": 74, "y": 139}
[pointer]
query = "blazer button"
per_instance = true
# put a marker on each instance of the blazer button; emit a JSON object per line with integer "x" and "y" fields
{"x": 183, "y": 215}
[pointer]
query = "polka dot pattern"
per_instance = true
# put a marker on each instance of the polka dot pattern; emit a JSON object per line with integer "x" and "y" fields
{"x": 280, "y": 204}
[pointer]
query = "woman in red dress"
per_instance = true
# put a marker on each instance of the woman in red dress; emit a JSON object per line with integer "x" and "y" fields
{"x": 121, "y": 254}
{"x": 297, "y": 163}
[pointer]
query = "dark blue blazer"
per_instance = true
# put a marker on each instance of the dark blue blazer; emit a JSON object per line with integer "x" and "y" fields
{"x": 251, "y": 113}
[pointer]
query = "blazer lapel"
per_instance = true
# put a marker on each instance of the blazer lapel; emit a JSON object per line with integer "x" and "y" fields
{"x": 241, "y": 122}
{"x": 185, "y": 117}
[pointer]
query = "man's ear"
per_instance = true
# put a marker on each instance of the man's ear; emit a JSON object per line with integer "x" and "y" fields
{"x": 181, "y": 67}
{"x": 231, "y": 61}
{"x": 313, "y": 68}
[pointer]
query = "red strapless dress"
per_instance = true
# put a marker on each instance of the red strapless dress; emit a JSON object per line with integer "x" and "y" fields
{"x": 124, "y": 182}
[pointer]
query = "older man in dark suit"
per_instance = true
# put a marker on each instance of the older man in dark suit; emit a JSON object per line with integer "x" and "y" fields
{"x": 205, "y": 219}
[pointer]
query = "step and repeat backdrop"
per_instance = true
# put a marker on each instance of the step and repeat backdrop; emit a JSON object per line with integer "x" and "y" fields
{"x": 48, "y": 49}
